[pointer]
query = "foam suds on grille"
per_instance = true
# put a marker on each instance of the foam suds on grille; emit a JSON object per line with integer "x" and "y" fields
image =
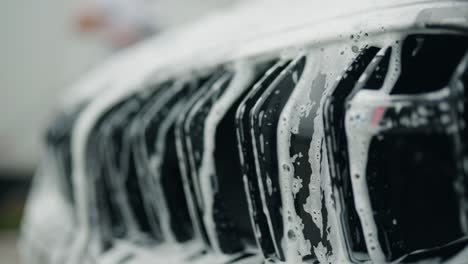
{"x": 143, "y": 144}
{"x": 374, "y": 119}
{"x": 160, "y": 121}
{"x": 135, "y": 159}
{"x": 311, "y": 229}
{"x": 336, "y": 143}
{"x": 263, "y": 119}
{"x": 117, "y": 174}
{"x": 209, "y": 121}
{"x": 58, "y": 139}
{"x": 463, "y": 75}
{"x": 122, "y": 209}
{"x": 99, "y": 217}
{"x": 230, "y": 201}
{"x": 298, "y": 196}
{"x": 194, "y": 129}
{"x": 117, "y": 218}
{"x": 222, "y": 239}
{"x": 186, "y": 163}
{"x": 260, "y": 224}
{"x": 138, "y": 69}
{"x": 359, "y": 152}
{"x": 54, "y": 190}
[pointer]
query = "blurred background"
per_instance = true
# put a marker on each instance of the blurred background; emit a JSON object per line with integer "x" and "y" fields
{"x": 46, "y": 45}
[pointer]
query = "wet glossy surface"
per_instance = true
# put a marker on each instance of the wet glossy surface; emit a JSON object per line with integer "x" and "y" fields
{"x": 264, "y": 117}
{"x": 337, "y": 150}
{"x": 247, "y": 160}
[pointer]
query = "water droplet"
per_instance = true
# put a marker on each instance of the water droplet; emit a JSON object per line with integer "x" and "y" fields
{"x": 292, "y": 235}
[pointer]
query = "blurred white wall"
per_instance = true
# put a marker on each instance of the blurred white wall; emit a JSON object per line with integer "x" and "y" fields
{"x": 40, "y": 53}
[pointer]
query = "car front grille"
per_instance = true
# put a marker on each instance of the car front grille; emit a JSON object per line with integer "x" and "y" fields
{"x": 340, "y": 152}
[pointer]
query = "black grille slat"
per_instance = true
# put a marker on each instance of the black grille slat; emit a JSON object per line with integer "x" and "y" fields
{"x": 247, "y": 157}
{"x": 412, "y": 166}
{"x": 186, "y": 164}
{"x": 264, "y": 119}
{"x": 230, "y": 201}
{"x": 334, "y": 123}
{"x": 168, "y": 170}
